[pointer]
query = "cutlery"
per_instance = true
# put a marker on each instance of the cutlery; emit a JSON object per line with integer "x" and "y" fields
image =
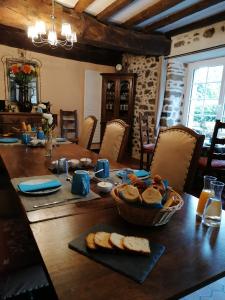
{"x": 51, "y": 203}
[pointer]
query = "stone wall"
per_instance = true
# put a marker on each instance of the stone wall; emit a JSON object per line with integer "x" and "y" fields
{"x": 174, "y": 93}
{"x": 147, "y": 70}
{"x": 199, "y": 39}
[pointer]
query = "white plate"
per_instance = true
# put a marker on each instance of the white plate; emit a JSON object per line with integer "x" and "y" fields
{"x": 42, "y": 192}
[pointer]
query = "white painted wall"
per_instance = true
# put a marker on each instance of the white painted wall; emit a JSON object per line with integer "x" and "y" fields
{"x": 62, "y": 80}
{"x": 92, "y": 99}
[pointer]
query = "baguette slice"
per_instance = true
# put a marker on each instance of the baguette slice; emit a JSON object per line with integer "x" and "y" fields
{"x": 136, "y": 244}
{"x": 116, "y": 240}
{"x": 90, "y": 242}
{"x": 129, "y": 193}
{"x": 151, "y": 195}
{"x": 101, "y": 239}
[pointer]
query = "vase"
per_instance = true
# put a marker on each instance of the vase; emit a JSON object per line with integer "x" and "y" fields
{"x": 48, "y": 145}
{"x": 24, "y": 104}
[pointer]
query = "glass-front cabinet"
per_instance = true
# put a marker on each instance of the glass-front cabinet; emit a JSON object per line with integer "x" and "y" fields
{"x": 117, "y": 98}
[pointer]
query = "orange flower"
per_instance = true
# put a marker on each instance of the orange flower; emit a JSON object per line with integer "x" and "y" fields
{"x": 26, "y": 69}
{"x": 15, "y": 69}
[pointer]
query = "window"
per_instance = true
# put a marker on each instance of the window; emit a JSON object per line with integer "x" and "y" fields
{"x": 204, "y": 99}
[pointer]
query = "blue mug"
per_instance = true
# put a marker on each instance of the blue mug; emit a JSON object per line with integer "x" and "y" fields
{"x": 40, "y": 135}
{"x": 80, "y": 183}
{"x": 102, "y": 164}
{"x": 26, "y": 138}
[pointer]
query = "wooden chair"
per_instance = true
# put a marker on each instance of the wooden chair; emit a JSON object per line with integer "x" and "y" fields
{"x": 176, "y": 156}
{"x": 87, "y": 132}
{"x": 115, "y": 139}
{"x": 214, "y": 162}
{"x": 145, "y": 146}
{"x": 68, "y": 123}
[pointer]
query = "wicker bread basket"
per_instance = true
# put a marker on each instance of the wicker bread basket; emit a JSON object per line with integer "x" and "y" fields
{"x": 147, "y": 216}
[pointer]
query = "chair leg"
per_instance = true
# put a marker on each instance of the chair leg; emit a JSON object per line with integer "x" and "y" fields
{"x": 148, "y": 162}
{"x": 141, "y": 160}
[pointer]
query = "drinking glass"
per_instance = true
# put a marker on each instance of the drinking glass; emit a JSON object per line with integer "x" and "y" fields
{"x": 213, "y": 209}
{"x": 62, "y": 166}
{"x": 205, "y": 194}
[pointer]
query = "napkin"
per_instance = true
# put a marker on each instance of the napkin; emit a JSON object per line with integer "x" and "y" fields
{"x": 141, "y": 173}
{"x": 138, "y": 173}
{"x": 8, "y": 140}
{"x": 25, "y": 187}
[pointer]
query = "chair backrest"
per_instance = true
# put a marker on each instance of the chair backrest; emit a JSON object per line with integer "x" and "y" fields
{"x": 114, "y": 140}
{"x": 68, "y": 124}
{"x": 87, "y": 132}
{"x": 213, "y": 154}
{"x": 144, "y": 129}
{"x": 176, "y": 156}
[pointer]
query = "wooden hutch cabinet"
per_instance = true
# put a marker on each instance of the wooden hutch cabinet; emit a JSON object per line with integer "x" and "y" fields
{"x": 117, "y": 98}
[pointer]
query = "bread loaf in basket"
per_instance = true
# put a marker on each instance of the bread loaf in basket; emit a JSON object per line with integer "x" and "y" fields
{"x": 148, "y": 216}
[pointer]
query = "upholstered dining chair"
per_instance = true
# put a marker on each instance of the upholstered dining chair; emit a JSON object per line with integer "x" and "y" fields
{"x": 115, "y": 139}
{"x": 176, "y": 156}
{"x": 145, "y": 146}
{"x": 87, "y": 132}
{"x": 214, "y": 162}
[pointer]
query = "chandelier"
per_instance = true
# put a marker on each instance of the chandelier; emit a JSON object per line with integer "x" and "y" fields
{"x": 41, "y": 37}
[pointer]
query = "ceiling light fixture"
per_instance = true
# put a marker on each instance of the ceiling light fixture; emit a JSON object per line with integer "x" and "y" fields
{"x": 41, "y": 37}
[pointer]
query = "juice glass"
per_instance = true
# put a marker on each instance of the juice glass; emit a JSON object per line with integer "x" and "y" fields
{"x": 205, "y": 194}
{"x": 213, "y": 208}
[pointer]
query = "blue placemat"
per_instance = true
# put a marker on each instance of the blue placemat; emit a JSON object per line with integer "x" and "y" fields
{"x": 134, "y": 266}
{"x": 8, "y": 140}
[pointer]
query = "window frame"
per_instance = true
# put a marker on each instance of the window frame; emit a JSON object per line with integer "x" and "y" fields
{"x": 189, "y": 84}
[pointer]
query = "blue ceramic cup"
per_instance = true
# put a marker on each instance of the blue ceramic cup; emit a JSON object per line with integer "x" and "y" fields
{"x": 26, "y": 138}
{"x": 40, "y": 135}
{"x": 102, "y": 164}
{"x": 80, "y": 183}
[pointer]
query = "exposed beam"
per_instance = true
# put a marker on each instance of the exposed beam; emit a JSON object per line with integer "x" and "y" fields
{"x": 21, "y": 13}
{"x": 181, "y": 14}
{"x": 82, "y": 5}
{"x": 17, "y": 38}
{"x": 195, "y": 25}
{"x": 112, "y": 9}
{"x": 155, "y": 9}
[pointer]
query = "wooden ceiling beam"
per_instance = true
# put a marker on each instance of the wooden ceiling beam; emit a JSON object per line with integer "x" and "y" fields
{"x": 113, "y": 9}
{"x": 153, "y": 10}
{"x": 21, "y": 13}
{"x": 82, "y": 5}
{"x": 195, "y": 25}
{"x": 181, "y": 14}
{"x": 17, "y": 38}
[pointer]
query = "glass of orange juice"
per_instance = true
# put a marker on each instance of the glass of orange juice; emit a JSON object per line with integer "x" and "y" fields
{"x": 205, "y": 194}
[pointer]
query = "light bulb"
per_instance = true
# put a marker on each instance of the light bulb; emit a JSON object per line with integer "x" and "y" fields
{"x": 66, "y": 29}
{"x": 52, "y": 38}
{"x": 31, "y": 32}
{"x": 40, "y": 27}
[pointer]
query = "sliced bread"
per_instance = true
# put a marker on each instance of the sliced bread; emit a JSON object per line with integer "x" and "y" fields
{"x": 90, "y": 241}
{"x": 116, "y": 240}
{"x": 151, "y": 195}
{"x": 101, "y": 239}
{"x": 136, "y": 244}
{"x": 129, "y": 193}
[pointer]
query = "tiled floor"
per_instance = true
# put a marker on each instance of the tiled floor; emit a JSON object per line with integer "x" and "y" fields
{"x": 213, "y": 291}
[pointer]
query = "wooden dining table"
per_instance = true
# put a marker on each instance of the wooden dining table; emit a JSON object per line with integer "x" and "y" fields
{"x": 194, "y": 254}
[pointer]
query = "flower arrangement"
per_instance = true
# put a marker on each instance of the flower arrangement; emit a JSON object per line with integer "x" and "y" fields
{"x": 47, "y": 120}
{"x": 23, "y": 73}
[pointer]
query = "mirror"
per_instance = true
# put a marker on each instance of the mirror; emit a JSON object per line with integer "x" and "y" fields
{"x": 21, "y": 71}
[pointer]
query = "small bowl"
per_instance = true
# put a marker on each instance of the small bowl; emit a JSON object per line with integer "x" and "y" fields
{"x": 73, "y": 163}
{"x": 104, "y": 186}
{"x": 85, "y": 161}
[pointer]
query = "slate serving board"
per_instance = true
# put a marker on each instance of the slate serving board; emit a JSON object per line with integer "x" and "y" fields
{"x": 134, "y": 266}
